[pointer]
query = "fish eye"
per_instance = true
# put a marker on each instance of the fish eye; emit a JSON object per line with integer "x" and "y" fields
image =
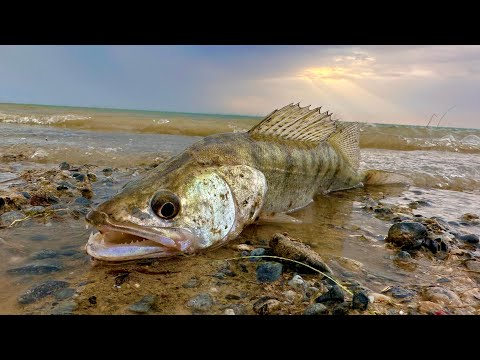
{"x": 165, "y": 204}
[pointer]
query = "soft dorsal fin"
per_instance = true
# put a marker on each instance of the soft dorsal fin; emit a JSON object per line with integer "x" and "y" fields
{"x": 293, "y": 122}
{"x": 346, "y": 140}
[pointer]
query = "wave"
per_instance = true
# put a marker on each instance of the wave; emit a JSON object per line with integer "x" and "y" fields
{"x": 40, "y": 119}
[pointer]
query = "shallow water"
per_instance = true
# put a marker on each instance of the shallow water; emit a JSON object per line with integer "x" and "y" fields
{"x": 443, "y": 164}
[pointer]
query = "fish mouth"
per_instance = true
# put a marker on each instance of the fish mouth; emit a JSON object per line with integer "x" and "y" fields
{"x": 128, "y": 241}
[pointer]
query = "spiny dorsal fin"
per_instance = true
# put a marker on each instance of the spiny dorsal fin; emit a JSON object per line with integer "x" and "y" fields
{"x": 346, "y": 140}
{"x": 293, "y": 122}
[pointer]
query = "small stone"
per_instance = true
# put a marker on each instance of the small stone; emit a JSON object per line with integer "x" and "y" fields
{"x": 257, "y": 252}
{"x": 144, "y": 305}
{"x": 428, "y": 307}
{"x": 201, "y": 302}
{"x": 443, "y": 296}
{"x": 341, "y": 309}
{"x": 229, "y": 312}
{"x": 403, "y": 256}
{"x": 2, "y": 202}
{"x": 137, "y": 285}
{"x": 92, "y": 177}
{"x": 335, "y": 294}
{"x": 225, "y": 269}
{"x": 65, "y": 308}
{"x": 443, "y": 280}
{"x": 63, "y": 185}
{"x": 470, "y": 238}
{"x": 407, "y": 235}
{"x": 79, "y": 177}
{"x": 64, "y": 166}
{"x": 290, "y": 296}
{"x": 36, "y": 269}
{"x": 34, "y": 210}
{"x": 44, "y": 254}
{"x": 107, "y": 171}
{"x": 311, "y": 291}
{"x": 232, "y": 297}
{"x": 266, "y": 305}
{"x": 316, "y": 309}
{"x": 360, "y": 301}
{"x": 25, "y": 194}
{"x": 64, "y": 293}
{"x": 10, "y": 217}
{"x": 401, "y": 293}
{"x": 297, "y": 282}
{"x": 192, "y": 283}
{"x": 92, "y": 300}
{"x": 473, "y": 265}
{"x": 269, "y": 271}
{"x": 82, "y": 201}
{"x": 40, "y": 291}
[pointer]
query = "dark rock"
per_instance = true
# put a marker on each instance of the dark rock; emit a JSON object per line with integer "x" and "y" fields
{"x": 82, "y": 201}
{"x": 201, "y": 302}
{"x": 232, "y": 297}
{"x": 40, "y": 291}
{"x": 92, "y": 177}
{"x": 63, "y": 185}
{"x": 43, "y": 200}
{"x": 192, "y": 283}
{"x": 64, "y": 166}
{"x": 25, "y": 194}
{"x": 2, "y": 203}
{"x": 39, "y": 237}
{"x": 144, "y": 305}
{"x": 335, "y": 294}
{"x": 269, "y": 271}
{"x": 257, "y": 252}
{"x": 65, "y": 308}
{"x": 407, "y": 235}
{"x": 79, "y": 177}
{"x": 121, "y": 278}
{"x": 360, "y": 301}
{"x": 316, "y": 309}
{"x": 63, "y": 294}
{"x": 243, "y": 268}
{"x": 107, "y": 171}
{"x": 44, "y": 254}
{"x": 401, "y": 293}
{"x": 403, "y": 256}
{"x": 266, "y": 305}
{"x": 10, "y": 217}
{"x": 225, "y": 269}
{"x": 36, "y": 269}
{"x": 341, "y": 309}
{"x": 443, "y": 280}
{"x": 92, "y": 300}
{"x": 470, "y": 238}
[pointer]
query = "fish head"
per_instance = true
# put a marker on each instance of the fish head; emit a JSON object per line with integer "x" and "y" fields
{"x": 183, "y": 212}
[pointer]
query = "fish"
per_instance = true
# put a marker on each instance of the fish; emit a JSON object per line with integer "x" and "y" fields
{"x": 206, "y": 195}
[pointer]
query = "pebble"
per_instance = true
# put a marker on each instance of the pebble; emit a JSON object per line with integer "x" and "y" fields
{"x": 335, "y": 294}
{"x": 63, "y": 185}
{"x": 192, "y": 283}
{"x": 92, "y": 177}
{"x": 290, "y": 296}
{"x": 257, "y": 252}
{"x": 34, "y": 210}
{"x": 82, "y": 201}
{"x": 44, "y": 254}
{"x": 64, "y": 293}
{"x": 40, "y": 291}
{"x": 311, "y": 291}
{"x": 229, "y": 312}
{"x": 64, "y": 166}
{"x": 401, "y": 293}
{"x": 443, "y": 296}
{"x": 65, "y": 308}
{"x": 407, "y": 235}
{"x": 2, "y": 203}
{"x": 25, "y": 194}
{"x": 79, "y": 177}
{"x": 266, "y": 305}
{"x": 473, "y": 265}
{"x": 107, "y": 171}
{"x": 144, "y": 305}
{"x": 201, "y": 302}
{"x": 297, "y": 282}
{"x": 470, "y": 238}
{"x": 226, "y": 271}
{"x": 403, "y": 256}
{"x": 341, "y": 309}
{"x": 269, "y": 271}
{"x": 316, "y": 309}
{"x": 428, "y": 307}
{"x": 36, "y": 269}
{"x": 10, "y": 217}
{"x": 360, "y": 300}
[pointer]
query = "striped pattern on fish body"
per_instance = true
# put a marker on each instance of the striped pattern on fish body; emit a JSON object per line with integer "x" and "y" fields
{"x": 206, "y": 195}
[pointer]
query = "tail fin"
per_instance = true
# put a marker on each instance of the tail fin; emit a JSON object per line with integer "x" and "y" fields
{"x": 381, "y": 177}
{"x": 346, "y": 140}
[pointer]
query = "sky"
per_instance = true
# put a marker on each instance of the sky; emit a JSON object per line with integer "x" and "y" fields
{"x": 376, "y": 84}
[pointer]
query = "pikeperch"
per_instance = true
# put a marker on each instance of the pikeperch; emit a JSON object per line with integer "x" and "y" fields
{"x": 206, "y": 195}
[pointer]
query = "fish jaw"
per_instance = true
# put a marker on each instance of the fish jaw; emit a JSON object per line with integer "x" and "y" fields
{"x": 120, "y": 242}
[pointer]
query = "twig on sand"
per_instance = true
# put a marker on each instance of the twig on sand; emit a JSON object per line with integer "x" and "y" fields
{"x": 295, "y": 261}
